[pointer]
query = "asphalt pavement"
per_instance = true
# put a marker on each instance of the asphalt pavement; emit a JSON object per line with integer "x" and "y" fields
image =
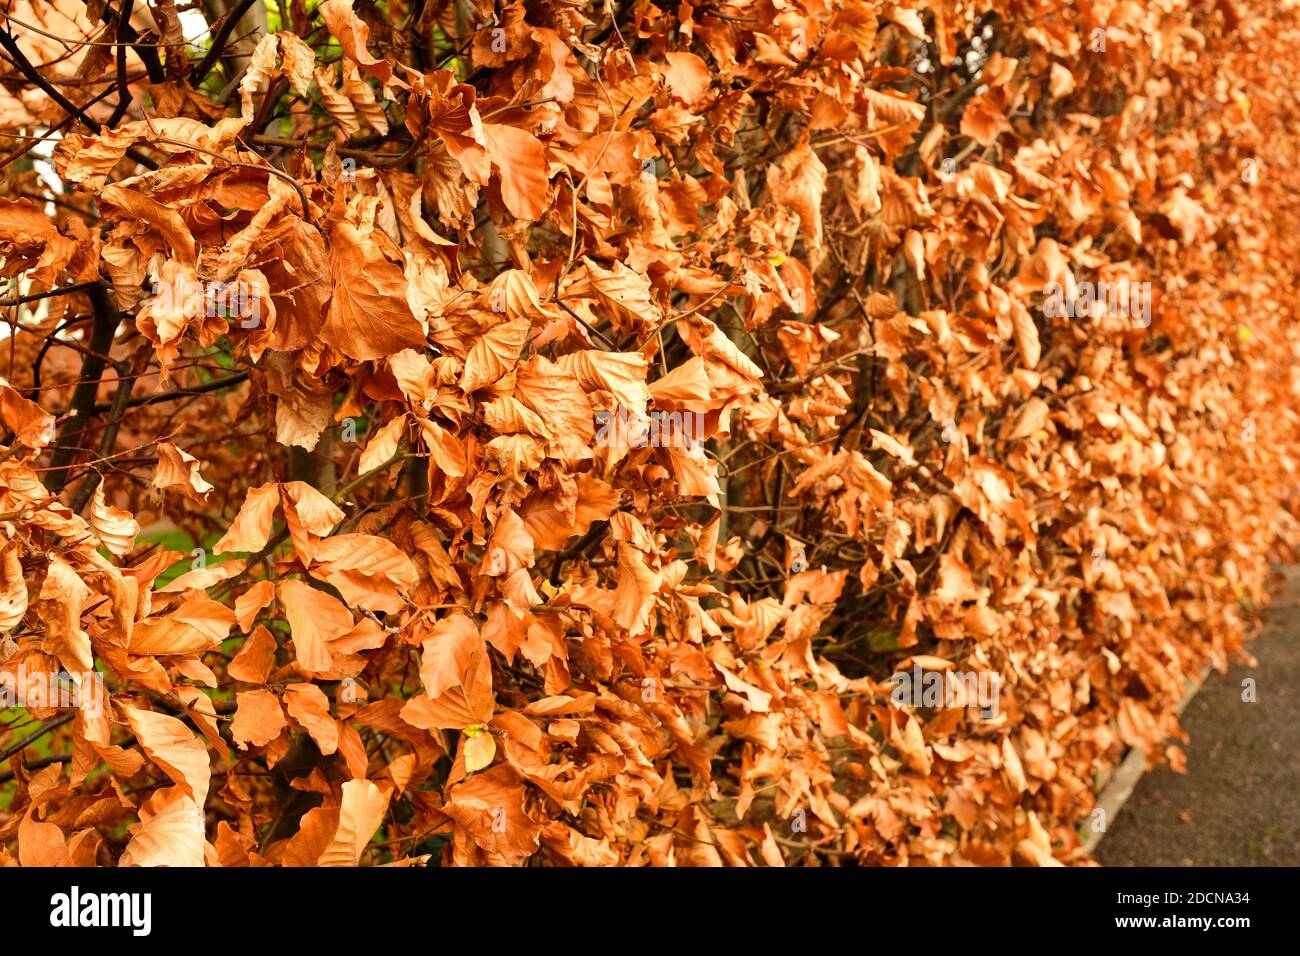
{"x": 1238, "y": 804}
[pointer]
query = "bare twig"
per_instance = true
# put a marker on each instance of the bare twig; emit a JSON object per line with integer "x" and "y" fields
{"x": 147, "y": 52}
{"x": 45, "y": 728}
{"x": 219, "y": 42}
{"x": 213, "y": 386}
{"x": 107, "y": 440}
{"x": 25, "y": 67}
{"x": 123, "y": 86}
{"x": 62, "y": 290}
{"x": 107, "y": 319}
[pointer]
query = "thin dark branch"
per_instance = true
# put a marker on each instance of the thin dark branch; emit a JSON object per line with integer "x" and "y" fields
{"x": 121, "y": 398}
{"x": 38, "y": 764}
{"x": 123, "y": 85}
{"x": 62, "y": 290}
{"x": 25, "y": 67}
{"x": 147, "y": 52}
{"x": 215, "y": 386}
{"x": 107, "y": 319}
{"x": 50, "y": 341}
{"x": 36, "y": 735}
{"x": 219, "y": 42}
{"x": 67, "y": 121}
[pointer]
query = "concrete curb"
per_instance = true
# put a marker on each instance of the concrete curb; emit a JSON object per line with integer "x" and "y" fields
{"x": 1124, "y": 778}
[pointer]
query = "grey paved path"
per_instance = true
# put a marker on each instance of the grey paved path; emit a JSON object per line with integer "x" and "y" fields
{"x": 1238, "y": 804}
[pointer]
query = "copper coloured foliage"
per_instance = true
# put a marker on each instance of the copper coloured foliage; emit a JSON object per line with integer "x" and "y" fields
{"x": 479, "y": 434}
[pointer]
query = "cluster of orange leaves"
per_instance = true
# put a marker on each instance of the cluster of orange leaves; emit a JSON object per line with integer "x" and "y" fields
{"x": 440, "y": 613}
